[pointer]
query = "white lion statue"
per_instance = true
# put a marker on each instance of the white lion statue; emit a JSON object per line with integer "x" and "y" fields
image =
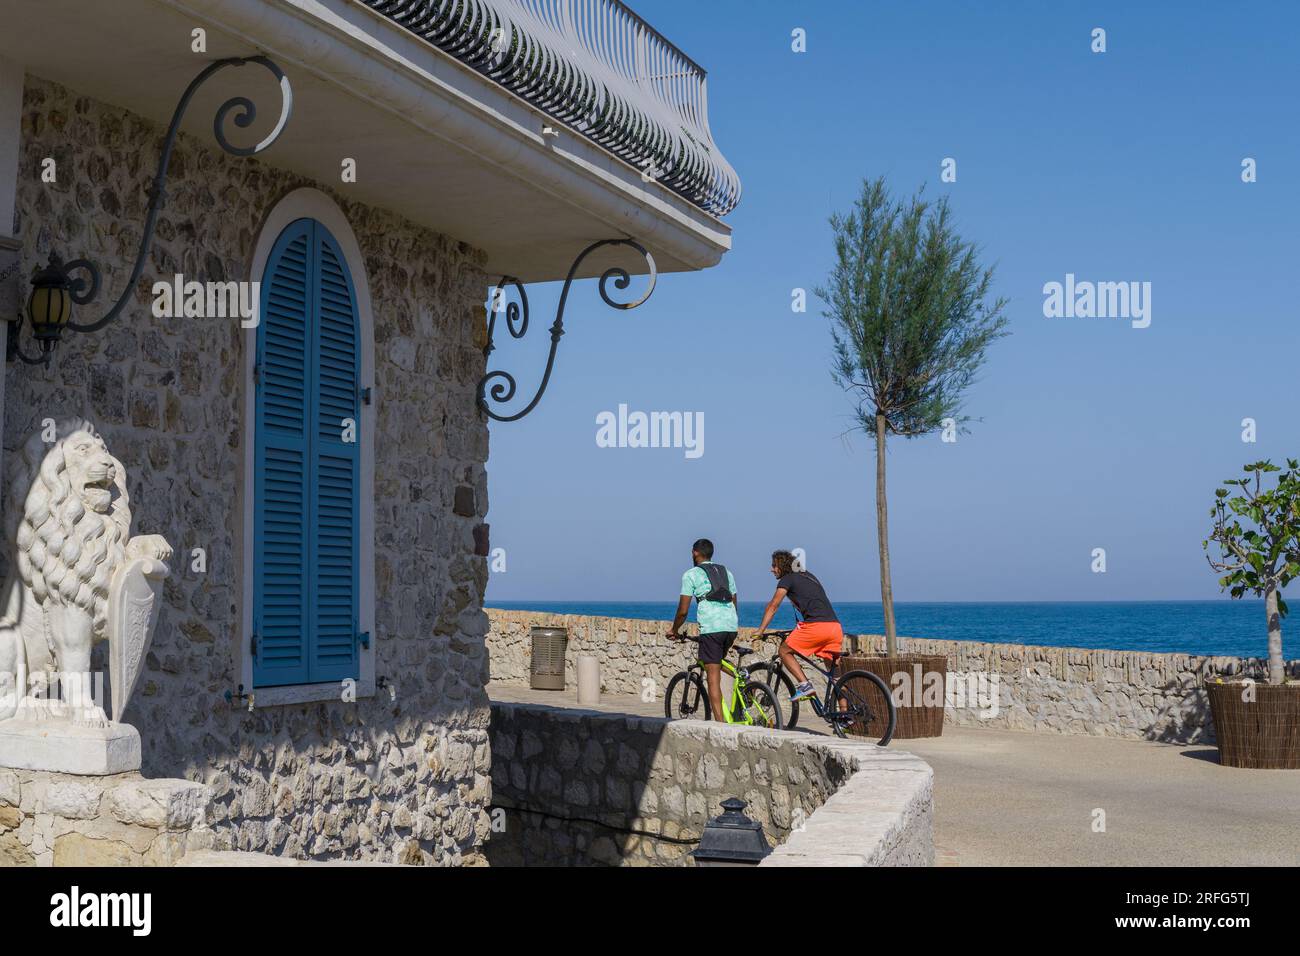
{"x": 76, "y": 577}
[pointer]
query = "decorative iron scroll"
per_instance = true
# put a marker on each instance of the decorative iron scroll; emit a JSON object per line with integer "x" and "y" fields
{"x": 500, "y": 385}
{"x": 84, "y": 290}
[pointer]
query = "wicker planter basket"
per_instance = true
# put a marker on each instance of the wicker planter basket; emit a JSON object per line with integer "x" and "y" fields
{"x": 916, "y": 719}
{"x": 1263, "y": 734}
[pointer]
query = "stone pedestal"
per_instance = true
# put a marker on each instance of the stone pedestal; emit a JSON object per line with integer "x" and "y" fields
{"x": 74, "y": 796}
{"x": 56, "y": 819}
{"x": 62, "y": 747}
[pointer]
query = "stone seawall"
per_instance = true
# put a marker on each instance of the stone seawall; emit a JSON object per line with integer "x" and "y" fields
{"x": 1048, "y": 689}
{"x": 577, "y": 787}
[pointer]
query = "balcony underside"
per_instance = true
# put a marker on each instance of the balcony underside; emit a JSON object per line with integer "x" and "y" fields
{"x": 433, "y": 140}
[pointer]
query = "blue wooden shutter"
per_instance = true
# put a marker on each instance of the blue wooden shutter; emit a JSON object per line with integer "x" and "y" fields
{"x": 306, "y": 538}
{"x": 281, "y": 611}
{"x": 337, "y": 467}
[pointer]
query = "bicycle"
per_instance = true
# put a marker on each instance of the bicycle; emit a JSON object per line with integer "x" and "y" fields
{"x": 858, "y": 700}
{"x": 752, "y": 702}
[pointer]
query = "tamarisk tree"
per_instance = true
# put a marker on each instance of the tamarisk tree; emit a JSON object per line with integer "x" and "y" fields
{"x": 911, "y": 320}
{"x": 1261, "y": 556}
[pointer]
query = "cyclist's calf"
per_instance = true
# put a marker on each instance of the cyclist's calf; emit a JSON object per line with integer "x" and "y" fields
{"x": 713, "y": 677}
{"x": 790, "y": 661}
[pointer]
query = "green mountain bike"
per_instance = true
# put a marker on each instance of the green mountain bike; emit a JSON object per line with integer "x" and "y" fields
{"x": 752, "y": 702}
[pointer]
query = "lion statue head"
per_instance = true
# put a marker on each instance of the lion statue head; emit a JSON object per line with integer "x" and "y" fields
{"x": 68, "y": 496}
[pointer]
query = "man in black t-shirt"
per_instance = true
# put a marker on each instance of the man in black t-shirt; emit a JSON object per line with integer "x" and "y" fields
{"x": 818, "y": 634}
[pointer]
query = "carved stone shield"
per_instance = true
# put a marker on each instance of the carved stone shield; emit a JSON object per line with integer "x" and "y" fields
{"x": 132, "y": 613}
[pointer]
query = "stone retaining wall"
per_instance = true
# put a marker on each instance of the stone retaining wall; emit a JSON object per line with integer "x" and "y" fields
{"x": 1051, "y": 689}
{"x": 57, "y": 819}
{"x": 577, "y": 787}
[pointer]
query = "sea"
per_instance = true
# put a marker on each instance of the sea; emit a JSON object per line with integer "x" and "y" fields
{"x": 1211, "y": 628}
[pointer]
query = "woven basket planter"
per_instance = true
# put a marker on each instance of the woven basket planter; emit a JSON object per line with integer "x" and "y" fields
{"x": 916, "y": 719}
{"x": 1263, "y": 734}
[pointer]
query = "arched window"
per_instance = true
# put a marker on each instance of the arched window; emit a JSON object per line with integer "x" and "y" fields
{"x": 307, "y": 468}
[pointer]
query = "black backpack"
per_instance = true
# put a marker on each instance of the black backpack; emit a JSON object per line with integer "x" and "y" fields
{"x": 719, "y": 586}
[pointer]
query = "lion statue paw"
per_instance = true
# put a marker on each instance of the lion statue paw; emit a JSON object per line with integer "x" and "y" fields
{"x": 90, "y": 717}
{"x": 151, "y": 546}
{"x": 34, "y": 709}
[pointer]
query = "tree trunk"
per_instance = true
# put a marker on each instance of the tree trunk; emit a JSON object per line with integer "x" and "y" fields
{"x": 882, "y": 534}
{"x": 1275, "y": 670}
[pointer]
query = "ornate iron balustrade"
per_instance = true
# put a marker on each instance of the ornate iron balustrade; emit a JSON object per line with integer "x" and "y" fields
{"x": 597, "y": 67}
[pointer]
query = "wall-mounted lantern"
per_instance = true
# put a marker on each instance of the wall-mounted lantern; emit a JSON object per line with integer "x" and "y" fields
{"x": 49, "y": 307}
{"x": 56, "y": 290}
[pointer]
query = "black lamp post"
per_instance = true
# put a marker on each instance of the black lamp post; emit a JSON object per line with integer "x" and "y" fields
{"x": 54, "y": 288}
{"x": 731, "y": 839}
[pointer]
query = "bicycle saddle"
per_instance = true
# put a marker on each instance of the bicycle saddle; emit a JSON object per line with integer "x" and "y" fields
{"x": 743, "y": 652}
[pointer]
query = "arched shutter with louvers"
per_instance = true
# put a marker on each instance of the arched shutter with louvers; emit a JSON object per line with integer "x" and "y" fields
{"x": 307, "y": 514}
{"x": 337, "y": 461}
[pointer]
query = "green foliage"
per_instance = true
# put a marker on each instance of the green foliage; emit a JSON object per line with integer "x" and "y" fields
{"x": 907, "y": 300}
{"x": 1257, "y": 531}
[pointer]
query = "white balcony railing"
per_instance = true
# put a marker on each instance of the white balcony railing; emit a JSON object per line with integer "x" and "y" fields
{"x": 597, "y": 67}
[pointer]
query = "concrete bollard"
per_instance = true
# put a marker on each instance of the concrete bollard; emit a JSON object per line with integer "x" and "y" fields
{"x": 588, "y": 680}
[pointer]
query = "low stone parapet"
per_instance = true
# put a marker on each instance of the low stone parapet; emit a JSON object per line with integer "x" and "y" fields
{"x": 1066, "y": 690}
{"x": 574, "y": 787}
{"x": 883, "y": 815}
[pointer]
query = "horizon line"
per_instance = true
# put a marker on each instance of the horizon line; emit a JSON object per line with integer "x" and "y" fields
{"x": 1222, "y": 600}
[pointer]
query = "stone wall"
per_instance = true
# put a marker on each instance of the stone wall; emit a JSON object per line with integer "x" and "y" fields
{"x": 1050, "y": 689}
{"x": 55, "y": 819}
{"x": 577, "y": 787}
{"x": 391, "y": 777}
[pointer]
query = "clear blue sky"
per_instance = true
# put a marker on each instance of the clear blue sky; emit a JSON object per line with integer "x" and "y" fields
{"x": 1117, "y": 166}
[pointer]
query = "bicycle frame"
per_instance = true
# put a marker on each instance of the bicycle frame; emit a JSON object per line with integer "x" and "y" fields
{"x": 828, "y": 674}
{"x": 738, "y": 678}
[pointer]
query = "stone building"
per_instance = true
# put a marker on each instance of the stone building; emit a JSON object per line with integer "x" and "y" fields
{"x": 319, "y": 468}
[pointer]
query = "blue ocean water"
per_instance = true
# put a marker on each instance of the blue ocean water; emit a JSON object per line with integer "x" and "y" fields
{"x": 1229, "y": 628}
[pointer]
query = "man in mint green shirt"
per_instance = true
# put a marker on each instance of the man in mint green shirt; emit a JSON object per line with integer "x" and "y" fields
{"x": 714, "y": 589}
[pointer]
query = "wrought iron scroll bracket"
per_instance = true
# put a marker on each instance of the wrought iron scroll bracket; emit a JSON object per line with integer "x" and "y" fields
{"x": 84, "y": 289}
{"x": 499, "y": 386}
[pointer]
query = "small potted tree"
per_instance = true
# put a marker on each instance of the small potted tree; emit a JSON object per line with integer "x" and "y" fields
{"x": 912, "y": 317}
{"x": 1257, "y": 534}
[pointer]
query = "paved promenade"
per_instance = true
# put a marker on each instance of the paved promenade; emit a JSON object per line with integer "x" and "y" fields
{"x": 1008, "y": 798}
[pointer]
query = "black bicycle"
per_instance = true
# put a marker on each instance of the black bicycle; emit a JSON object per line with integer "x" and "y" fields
{"x": 857, "y": 702}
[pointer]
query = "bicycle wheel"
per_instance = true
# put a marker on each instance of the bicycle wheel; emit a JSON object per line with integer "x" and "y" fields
{"x": 686, "y": 698}
{"x": 760, "y": 704}
{"x": 779, "y": 683}
{"x": 860, "y": 704}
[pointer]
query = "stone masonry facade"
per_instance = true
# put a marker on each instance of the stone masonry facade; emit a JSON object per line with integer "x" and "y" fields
{"x": 401, "y": 776}
{"x": 1046, "y": 689}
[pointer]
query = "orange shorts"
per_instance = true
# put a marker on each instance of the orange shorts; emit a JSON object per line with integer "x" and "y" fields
{"x": 818, "y": 639}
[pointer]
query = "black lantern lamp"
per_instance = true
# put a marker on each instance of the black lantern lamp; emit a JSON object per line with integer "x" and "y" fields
{"x": 49, "y": 308}
{"x": 731, "y": 839}
{"x": 55, "y": 290}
